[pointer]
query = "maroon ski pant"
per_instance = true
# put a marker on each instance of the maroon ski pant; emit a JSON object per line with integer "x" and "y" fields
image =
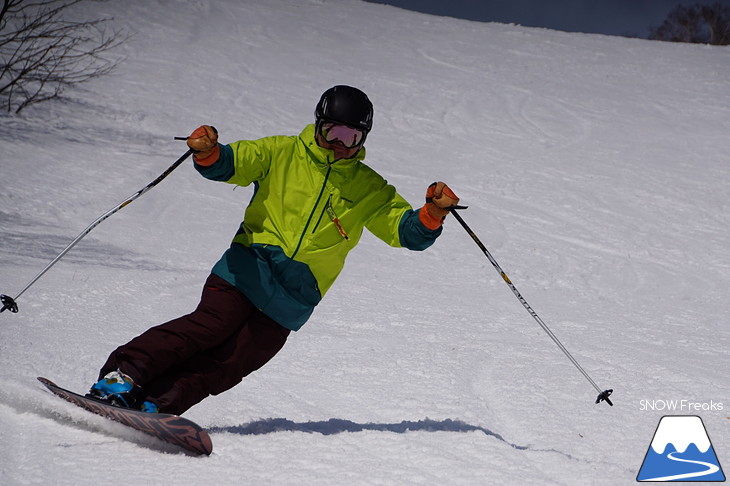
{"x": 181, "y": 362}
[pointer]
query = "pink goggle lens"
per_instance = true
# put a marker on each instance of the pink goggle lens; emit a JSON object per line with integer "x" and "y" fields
{"x": 350, "y": 137}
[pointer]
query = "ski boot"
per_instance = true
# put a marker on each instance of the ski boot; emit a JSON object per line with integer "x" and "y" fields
{"x": 149, "y": 407}
{"x": 115, "y": 388}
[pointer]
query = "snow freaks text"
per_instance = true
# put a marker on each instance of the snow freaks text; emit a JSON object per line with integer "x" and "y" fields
{"x": 680, "y": 406}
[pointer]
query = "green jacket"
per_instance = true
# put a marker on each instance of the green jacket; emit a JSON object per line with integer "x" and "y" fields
{"x": 307, "y": 212}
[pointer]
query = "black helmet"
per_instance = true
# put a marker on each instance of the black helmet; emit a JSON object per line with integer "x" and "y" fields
{"x": 346, "y": 105}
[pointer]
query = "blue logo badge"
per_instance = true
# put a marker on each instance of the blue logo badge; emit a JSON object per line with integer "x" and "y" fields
{"x": 681, "y": 451}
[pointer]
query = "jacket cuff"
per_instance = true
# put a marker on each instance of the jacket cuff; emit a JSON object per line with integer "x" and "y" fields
{"x": 209, "y": 159}
{"x": 427, "y": 219}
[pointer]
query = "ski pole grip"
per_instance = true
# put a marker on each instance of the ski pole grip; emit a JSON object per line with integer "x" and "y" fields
{"x": 450, "y": 208}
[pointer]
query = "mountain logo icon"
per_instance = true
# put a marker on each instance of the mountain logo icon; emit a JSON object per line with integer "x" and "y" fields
{"x": 681, "y": 451}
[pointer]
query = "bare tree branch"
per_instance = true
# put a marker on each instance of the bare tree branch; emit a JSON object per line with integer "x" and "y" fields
{"x": 42, "y": 53}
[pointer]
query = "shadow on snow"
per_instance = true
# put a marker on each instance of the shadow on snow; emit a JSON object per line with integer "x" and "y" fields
{"x": 338, "y": 426}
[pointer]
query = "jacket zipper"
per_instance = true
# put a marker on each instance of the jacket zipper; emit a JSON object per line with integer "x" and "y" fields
{"x": 311, "y": 214}
{"x": 321, "y": 215}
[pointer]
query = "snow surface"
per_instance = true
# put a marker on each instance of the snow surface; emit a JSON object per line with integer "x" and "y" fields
{"x": 596, "y": 171}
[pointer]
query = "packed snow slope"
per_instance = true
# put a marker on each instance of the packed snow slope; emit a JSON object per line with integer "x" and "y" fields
{"x": 595, "y": 169}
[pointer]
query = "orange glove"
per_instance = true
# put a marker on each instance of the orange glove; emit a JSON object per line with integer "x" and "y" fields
{"x": 439, "y": 198}
{"x": 204, "y": 144}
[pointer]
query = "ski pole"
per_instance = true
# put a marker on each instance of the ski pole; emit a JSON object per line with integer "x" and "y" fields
{"x": 9, "y": 302}
{"x": 602, "y": 394}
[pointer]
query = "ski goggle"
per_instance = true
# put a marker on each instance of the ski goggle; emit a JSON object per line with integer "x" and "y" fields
{"x": 334, "y": 132}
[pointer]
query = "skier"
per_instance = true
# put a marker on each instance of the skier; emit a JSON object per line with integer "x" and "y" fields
{"x": 312, "y": 198}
